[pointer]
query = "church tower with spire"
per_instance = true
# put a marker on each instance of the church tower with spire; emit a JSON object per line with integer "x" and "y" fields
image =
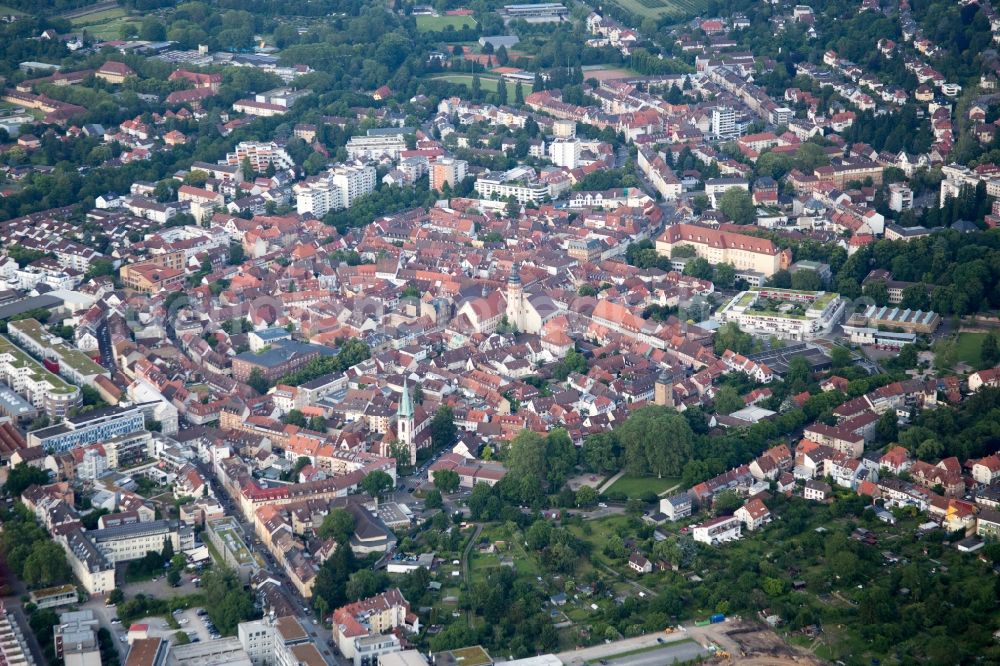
{"x": 515, "y": 299}
{"x": 405, "y": 423}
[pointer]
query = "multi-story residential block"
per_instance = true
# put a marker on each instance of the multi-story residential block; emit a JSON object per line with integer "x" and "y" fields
{"x": 446, "y": 170}
{"x": 43, "y": 390}
{"x": 94, "y": 571}
{"x": 565, "y": 152}
{"x": 519, "y": 183}
{"x": 676, "y": 507}
{"x": 784, "y": 313}
{"x": 260, "y": 155}
{"x": 718, "y": 530}
{"x": 354, "y": 624}
{"x": 900, "y": 197}
{"x": 746, "y": 253}
{"x": 389, "y": 142}
{"x": 57, "y": 354}
{"x": 333, "y": 190}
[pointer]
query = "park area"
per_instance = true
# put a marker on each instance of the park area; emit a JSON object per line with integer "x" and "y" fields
{"x": 489, "y": 84}
{"x": 440, "y": 23}
{"x": 969, "y": 348}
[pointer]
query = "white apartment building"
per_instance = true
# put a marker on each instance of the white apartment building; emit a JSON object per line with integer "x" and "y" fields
{"x": 261, "y": 155}
{"x": 375, "y": 146}
{"x": 718, "y": 530}
{"x": 565, "y": 153}
{"x": 900, "y": 197}
{"x": 336, "y": 189}
{"x": 519, "y": 183}
{"x": 724, "y": 122}
{"x": 784, "y": 313}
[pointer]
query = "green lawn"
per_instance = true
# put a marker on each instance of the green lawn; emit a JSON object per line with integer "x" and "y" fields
{"x": 488, "y": 83}
{"x": 439, "y": 23}
{"x": 10, "y": 11}
{"x": 98, "y": 17}
{"x": 658, "y": 8}
{"x": 635, "y": 486}
{"x": 969, "y": 348}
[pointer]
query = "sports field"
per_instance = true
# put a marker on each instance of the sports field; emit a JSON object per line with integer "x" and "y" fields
{"x": 489, "y": 84}
{"x": 439, "y": 23}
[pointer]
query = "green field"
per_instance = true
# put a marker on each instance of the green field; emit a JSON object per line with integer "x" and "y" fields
{"x": 439, "y": 23}
{"x": 635, "y": 486}
{"x": 98, "y": 17}
{"x": 489, "y": 84}
{"x": 10, "y": 11}
{"x": 969, "y": 348}
{"x": 656, "y": 9}
{"x": 106, "y": 24}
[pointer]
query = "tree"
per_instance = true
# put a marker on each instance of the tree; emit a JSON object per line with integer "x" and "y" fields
{"x": 600, "y": 453}
{"x": 560, "y": 458}
{"x": 526, "y": 466}
{"x": 502, "y": 57}
{"x": 365, "y": 583}
{"x": 444, "y": 434}
{"x": 337, "y": 525}
{"x": 376, "y": 483}
{"x": 699, "y": 268}
{"x": 174, "y": 577}
{"x": 168, "y": 550}
{"x": 725, "y": 276}
{"x": 878, "y": 291}
{"x": 727, "y": 400}
{"x": 806, "y": 280}
{"x": 737, "y": 205}
{"x": 231, "y": 602}
{"x": 656, "y": 440}
{"x": 330, "y": 590}
{"x": 295, "y": 417}
{"x": 727, "y": 502}
{"x": 22, "y": 476}
{"x": 433, "y": 499}
{"x": 781, "y": 279}
{"x": 46, "y": 565}
{"x": 840, "y": 357}
{"x": 446, "y": 480}
{"x": 729, "y": 336}
{"x": 258, "y": 382}
{"x": 990, "y": 353}
{"x": 586, "y": 497}
{"x": 518, "y": 94}
{"x": 887, "y": 430}
{"x": 116, "y": 596}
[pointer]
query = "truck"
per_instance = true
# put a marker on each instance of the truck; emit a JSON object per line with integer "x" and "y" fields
{"x": 718, "y": 617}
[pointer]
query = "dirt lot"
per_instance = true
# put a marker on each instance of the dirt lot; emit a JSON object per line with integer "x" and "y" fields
{"x": 759, "y": 645}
